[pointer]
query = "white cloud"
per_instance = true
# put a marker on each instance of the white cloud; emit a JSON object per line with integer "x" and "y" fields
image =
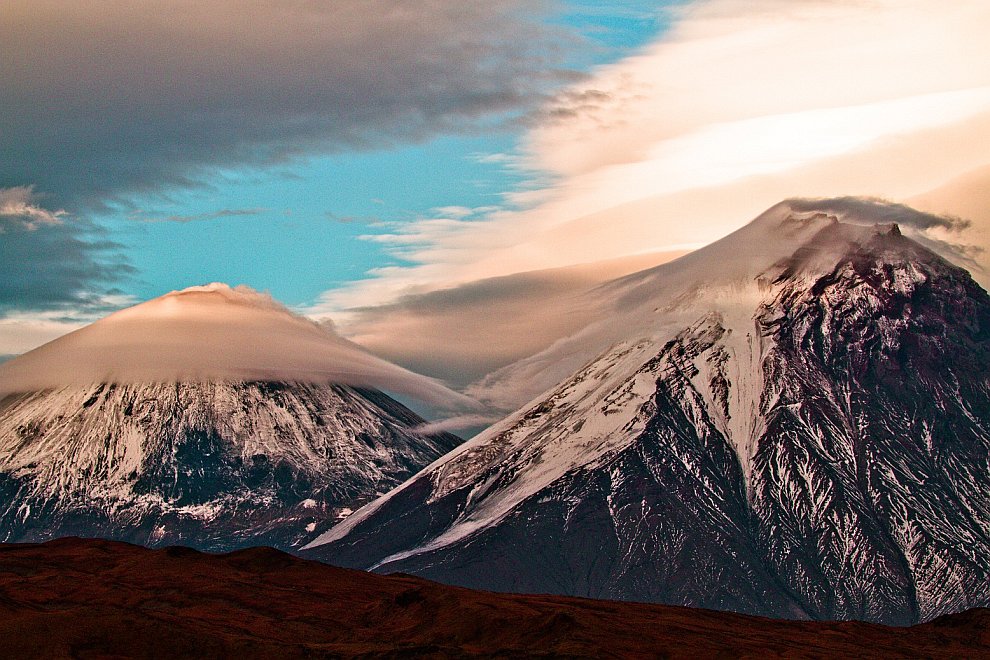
{"x": 19, "y": 204}
{"x": 740, "y": 105}
{"x": 457, "y": 423}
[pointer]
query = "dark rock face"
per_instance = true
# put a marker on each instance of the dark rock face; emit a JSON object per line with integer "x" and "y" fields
{"x": 818, "y": 447}
{"x": 881, "y": 420}
{"x": 211, "y": 465}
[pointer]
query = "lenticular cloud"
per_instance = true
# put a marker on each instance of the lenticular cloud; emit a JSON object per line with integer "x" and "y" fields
{"x": 212, "y": 333}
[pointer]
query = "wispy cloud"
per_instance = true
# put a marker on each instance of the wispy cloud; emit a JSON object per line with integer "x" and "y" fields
{"x": 738, "y": 106}
{"x": 18, "y": 205}
{"x": 457, "y": 423}
{"x": 199, "y": 217}
{"x": 353, "y": 219}
{"x": 967, "y": 197}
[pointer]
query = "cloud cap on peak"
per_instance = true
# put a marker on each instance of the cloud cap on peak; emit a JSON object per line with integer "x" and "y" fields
{"x": 213, "y": 333}
{"x": 812, "y": 234}
{"x": 875, "y": 211}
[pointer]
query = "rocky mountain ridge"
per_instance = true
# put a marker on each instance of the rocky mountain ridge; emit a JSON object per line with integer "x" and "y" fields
{"x": 802, "y": 433}
{"x": 211, "y": 465}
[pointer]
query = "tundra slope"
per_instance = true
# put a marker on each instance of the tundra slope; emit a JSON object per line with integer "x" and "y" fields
{"x": 792, "y": 422}
{"x": 213, "y": 464}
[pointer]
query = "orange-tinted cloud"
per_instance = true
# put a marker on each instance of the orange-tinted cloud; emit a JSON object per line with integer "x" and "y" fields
{"x": 213, "y": 333}
{"x": 739, "y": 106}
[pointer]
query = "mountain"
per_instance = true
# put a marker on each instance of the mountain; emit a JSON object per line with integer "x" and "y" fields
{"x": 792, "y": 422}
{"x": 88, "y": 598}
{"x": 210, "y": 417}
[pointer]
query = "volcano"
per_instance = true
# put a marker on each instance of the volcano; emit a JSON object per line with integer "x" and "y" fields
{"x": 210, "y": 417}
{"x": 792, "y": 422}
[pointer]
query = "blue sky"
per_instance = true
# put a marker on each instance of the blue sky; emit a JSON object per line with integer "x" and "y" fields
{"x": 295, "y": 229}
{"x": 301, "y": 231}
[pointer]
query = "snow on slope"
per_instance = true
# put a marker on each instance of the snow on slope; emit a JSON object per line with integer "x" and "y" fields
{"x": 211, "y": 417}
{"x": 215, "y": 465}
{"x": 650, "y": 307}
{"x": 794, "y": 421}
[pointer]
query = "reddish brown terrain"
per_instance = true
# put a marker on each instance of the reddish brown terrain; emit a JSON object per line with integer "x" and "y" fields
{"x": 88, "y": 599}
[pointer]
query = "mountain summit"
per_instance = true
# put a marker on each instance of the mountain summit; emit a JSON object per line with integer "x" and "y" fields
{"x": 792, "y": 422}
{"x": 210, "y": 417}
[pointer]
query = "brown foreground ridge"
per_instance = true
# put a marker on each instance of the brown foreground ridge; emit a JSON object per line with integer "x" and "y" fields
{"x": 88, "y": 598}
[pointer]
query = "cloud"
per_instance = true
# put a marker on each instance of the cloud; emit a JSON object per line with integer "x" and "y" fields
{"x": 17, "y": 206}
{"x": 462, "y": 333}
{"x": 930, "y": 229}
{"x": 458, "y": 423}
{"x": 52, "y": 261}
{"x": 105, "y": 98}
{"x": 967, "y": 196}
{"x": 209, "y": 333}
{"x": 349, "y": 219}
{"x": 881, "y": 211}
{"x": 198, "y": 217}
{"x": 738, "y": 106}
{"x": 22, "y": 331}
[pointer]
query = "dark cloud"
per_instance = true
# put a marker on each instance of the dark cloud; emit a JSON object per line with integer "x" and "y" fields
{"x": 50, "y": 259}
{"x": 69, "y": 264}
{"x": 917, "y": 223}
{"x": 105, "y": 98}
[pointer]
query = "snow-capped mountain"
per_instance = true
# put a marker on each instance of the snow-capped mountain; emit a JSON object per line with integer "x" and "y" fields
{"x": 793, "y": 421}
{"x": 176, "y": 440}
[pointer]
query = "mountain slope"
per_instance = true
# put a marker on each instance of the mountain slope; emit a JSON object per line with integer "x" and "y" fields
{"x": 75, "y": 597}
{"x": 192, "y": 454}
{"x": 78, "y": 598}
{"x": 792, "y": 422}
{"x": 210, "y": 465}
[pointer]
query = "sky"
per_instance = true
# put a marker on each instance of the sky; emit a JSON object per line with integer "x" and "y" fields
{"x": 440, "y": 178}
{"x": 161, "y": 145}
